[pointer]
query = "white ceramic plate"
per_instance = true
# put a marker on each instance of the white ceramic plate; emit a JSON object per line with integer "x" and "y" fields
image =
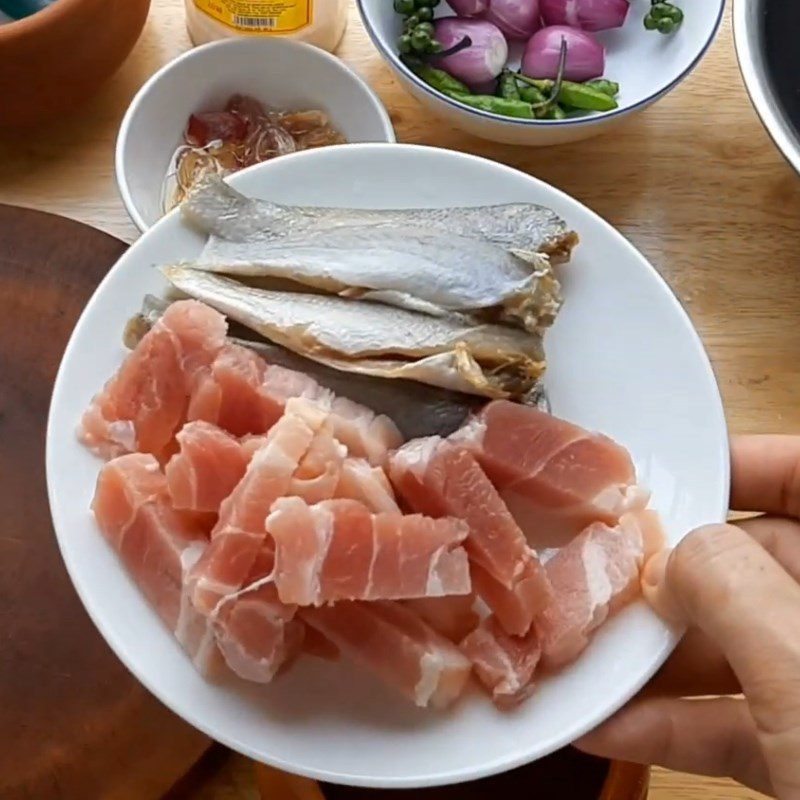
{"x": 624, "y": 360}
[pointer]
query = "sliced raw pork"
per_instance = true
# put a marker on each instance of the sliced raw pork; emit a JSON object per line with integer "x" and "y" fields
{"x": 365, "y": 433}
{"x": 439, "y": 478}
{"x": 257, "y": 634}
{"x": 239, "y": 533}
{"x": 453, "y": 616}
{"x": 516, "y": 609}
{"x": 340, "y": 550}
{"x": 156, "y": 543}
{"x": 394, "y": 643}
{"x": 504, "y": 664}
{"x": 555, "y": 477}
{"x": 144, "y": 404}
{"x": 592, "y": 577}
{"x": 194, "y": 631}
{"x": 207, "y": 467}
{"x": 367, "y": 484}
{"x": 245, "y": 395}
{"x": 318, "y": 473}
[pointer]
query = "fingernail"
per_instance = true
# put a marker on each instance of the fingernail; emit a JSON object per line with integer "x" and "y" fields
{"x": 655, "y": 569}
{"x": 655, "y": 590}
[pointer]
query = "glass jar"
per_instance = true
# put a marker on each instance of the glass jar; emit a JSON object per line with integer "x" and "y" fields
{"x": 318, "y": 22}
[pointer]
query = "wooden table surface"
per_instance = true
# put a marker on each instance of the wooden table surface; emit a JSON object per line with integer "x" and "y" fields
{"x": 694, "y": 183}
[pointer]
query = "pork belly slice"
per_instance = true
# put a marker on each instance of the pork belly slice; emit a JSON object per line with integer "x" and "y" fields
{"x": 157, "y": 544}
{"x": 144, "y": 404}
{"x": 318, "y": 473}
{"x": 239, "y": 533}
{"x": 257, "y": 633}
{"x": 592, "y": 577}
{"x": 504, "y": 664}
{"x": 453, "y": 616}
{"x": 365, "y": 434}
{"x": 243, "y": 394}
{"x": 206, "y": 469}
{"x": 438, "y": 478}
{"x": 393, "y": 642}
{"x": 555, "y": 477}
{"x": 369, "y": 485}
{"x": 340, "y": 550}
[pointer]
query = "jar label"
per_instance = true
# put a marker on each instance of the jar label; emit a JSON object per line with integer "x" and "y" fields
{"x": 260, "y": 16}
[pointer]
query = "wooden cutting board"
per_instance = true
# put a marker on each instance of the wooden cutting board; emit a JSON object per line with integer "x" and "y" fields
{"x": 74, "y": 724}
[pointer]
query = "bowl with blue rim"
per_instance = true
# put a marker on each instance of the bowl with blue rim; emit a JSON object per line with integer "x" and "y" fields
{"x": 649, "y": 52}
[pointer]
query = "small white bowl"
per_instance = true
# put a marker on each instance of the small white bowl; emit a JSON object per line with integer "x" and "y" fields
{"x": 281, "y": 73}
{"x": 646, "y": 64}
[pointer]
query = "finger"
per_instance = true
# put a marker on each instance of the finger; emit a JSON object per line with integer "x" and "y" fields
{"x": 705, "y": 737}
{"x": 728, "y": 586}
{"x": 696, "y": 668}
{"x": 765, "y": 474}
{"x": 733, "y": 590}
{"x": 780, "y": 538}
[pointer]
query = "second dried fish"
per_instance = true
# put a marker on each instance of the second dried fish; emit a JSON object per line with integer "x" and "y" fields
{"x": 374, "y": 339}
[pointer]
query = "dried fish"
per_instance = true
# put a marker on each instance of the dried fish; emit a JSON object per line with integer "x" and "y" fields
{"x": 423, "y": 269}
{"x": 451, "y": 352}
{"x": 521, "y": 228}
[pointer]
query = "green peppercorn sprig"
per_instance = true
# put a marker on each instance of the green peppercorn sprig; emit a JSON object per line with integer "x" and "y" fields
{"x": 418, "y": 32}
{"x": 663, "y": 16}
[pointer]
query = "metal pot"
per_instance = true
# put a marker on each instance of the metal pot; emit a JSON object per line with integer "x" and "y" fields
{"x": 765, "y": 34}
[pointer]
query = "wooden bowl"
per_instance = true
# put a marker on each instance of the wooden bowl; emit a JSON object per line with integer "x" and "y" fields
{"x": 57, "y": 58}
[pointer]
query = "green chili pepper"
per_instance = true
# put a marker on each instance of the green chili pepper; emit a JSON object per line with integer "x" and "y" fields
{"x": 507, "y": 86}
{"x": 404, "y": 6}
{"x": 587, "y": 98}
{"x": 495, "y": 105}
{"x": 549, "y": 89}
{"x": 437, "y": 78}
{"x": 554, "y": 111}
{"x": 605, "y": 86}
{"x": 576, "y": 95}
{"x": 530, "y": 94}
{"x": 544, "y": 85}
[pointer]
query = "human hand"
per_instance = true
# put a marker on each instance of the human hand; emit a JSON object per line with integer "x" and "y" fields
{"x": 737, "y": 587}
